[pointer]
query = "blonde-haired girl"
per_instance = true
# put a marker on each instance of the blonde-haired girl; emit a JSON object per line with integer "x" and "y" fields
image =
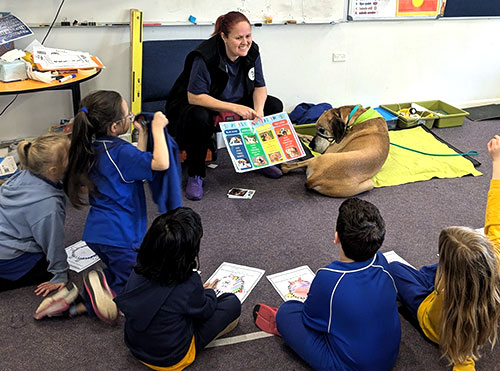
{"x": 457, "y": 301}
{"x": 32, "y": 213}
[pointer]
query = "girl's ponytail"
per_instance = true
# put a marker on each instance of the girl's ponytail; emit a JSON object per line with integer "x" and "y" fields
{"x": 97, "y": 112}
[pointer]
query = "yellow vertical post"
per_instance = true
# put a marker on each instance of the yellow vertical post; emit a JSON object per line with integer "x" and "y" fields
{"x": 135, "y": 60}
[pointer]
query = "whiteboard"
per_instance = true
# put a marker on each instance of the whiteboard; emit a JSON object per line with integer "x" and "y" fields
{"x": 175, "y": 12}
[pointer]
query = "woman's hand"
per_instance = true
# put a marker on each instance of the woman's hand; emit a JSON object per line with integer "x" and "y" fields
{"x": 245, "y": 112}
{"x": 46, "y": 287}
{"x": 259, "y": 115}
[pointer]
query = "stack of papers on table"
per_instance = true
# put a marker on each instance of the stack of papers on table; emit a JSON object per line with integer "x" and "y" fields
{"x": 47, "y": 59}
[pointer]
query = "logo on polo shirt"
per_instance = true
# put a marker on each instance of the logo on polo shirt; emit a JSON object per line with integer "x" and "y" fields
{"x": 251, "y": 73}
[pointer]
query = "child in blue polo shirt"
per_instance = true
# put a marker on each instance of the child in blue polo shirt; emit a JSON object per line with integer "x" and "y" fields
{"x": 350, "y": 319}
{"x": 112, "y": 171}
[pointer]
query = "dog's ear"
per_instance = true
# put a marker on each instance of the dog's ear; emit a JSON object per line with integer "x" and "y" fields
{"x": 337, "y": 124}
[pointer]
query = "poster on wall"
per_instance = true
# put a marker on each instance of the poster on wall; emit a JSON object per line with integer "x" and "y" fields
{"x": 368, "y": 9}
{"x": 393, "y": 9}
{"x": 407, "y": 8}
{"x": 12, "y": 28}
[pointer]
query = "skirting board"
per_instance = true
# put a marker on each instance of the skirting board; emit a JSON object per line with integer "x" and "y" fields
{"x": 477, "y": 103}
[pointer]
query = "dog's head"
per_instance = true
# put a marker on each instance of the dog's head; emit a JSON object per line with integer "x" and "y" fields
{"x": 332, "y": 127}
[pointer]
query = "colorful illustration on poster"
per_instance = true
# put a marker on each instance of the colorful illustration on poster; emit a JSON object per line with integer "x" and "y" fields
{"x": 254, "y": 145}
{"x": 250, "y": 139}
{"x": 275, "y": 157}
{"x": 233, "y": 141}
{"x": 266, "y": 135}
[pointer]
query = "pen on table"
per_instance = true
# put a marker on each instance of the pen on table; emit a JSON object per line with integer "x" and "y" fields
{"x": 69, "y": 77}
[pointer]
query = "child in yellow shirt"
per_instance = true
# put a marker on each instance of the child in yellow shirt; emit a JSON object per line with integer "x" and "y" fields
{"x": 457, "y": 301}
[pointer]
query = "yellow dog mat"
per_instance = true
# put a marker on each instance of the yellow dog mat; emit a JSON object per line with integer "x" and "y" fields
{"x": 404, "y": 166}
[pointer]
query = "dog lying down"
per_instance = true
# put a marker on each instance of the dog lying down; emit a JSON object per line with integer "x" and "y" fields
{"x": 354, "y": 143}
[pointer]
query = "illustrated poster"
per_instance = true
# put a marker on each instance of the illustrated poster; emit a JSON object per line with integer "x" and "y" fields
{"x": 12, "y": 28}
{"x": 293, "y": 284}
{"x": 366, "y": 9}
{"x": 238, "y": 279}
{"x": 80, "y": 256}
{"x": 268, "y": 142}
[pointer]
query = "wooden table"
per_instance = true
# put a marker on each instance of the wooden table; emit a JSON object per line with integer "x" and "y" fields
{"x": 32, "y": 86}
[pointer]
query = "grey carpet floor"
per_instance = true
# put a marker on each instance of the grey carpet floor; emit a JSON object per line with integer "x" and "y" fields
{"x": 282, "y": 227}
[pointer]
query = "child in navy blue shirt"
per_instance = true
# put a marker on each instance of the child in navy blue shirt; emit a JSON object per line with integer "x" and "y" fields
{"x": 113, "y": 171}
{"x": 170, "y": 315}
{"x": 350, "y": 319}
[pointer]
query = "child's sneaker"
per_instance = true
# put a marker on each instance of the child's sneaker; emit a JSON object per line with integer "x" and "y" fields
{"x": 101, "y": 296}
{"x": 265, "y": 318}
{"x": 58, "y": 303}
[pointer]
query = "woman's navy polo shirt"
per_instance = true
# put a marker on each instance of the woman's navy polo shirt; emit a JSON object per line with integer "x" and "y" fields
{"x": 117, "y": 216}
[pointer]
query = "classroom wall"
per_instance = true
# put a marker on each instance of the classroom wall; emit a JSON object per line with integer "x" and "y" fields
{"x": 455, "y": 60}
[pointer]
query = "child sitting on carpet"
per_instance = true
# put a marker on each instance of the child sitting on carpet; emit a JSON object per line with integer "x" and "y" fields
{"x": 350, "y": 319}
{"x": 32, "y": 213}
{"x": 456, "y": 302}
{"x": 170, "y": 315}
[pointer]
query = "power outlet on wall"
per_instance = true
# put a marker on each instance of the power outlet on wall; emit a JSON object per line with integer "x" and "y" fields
{"x": 339, "y": 57}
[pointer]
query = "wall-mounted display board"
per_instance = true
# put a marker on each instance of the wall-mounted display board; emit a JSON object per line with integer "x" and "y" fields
{"x": 178, "y": 12}
{"x": 393, "y": 9}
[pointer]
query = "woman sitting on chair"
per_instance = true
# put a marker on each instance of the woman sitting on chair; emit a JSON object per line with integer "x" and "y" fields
{"x": 223, "y": 74}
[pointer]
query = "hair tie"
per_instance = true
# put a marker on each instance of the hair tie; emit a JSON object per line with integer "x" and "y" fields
{"x": 83, "y": 109}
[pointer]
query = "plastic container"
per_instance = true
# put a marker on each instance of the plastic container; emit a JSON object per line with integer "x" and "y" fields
{"x": 449, "y": 115}
{"x": 305, "y": 129}
{"x": 391, "y": 119}
{"x": 404, "y": 122}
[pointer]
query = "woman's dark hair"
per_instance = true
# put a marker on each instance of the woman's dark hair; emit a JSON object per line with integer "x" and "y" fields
{"x": 226, "y": 22}
{"x": 361, "y": 229}
{"x": 98, "y": 111}
{"x": 169, "y": 251}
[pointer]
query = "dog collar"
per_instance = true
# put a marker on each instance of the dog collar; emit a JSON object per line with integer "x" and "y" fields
{"x": 352, "y": 113}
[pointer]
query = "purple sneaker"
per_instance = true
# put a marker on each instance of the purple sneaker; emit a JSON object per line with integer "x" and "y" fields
{"x": 271, "y": 172}
{"x": 194, "y": 188}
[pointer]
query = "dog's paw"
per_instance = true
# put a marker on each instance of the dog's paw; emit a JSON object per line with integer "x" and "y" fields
{"x": 285, "y": 168}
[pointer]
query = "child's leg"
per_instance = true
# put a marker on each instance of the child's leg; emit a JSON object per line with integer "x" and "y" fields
{"x": 310, "y": 345}
{"x": 34, "y": 276}
{"x": 413, "y": 286}
{"x": 228, "y": 310}
{"x": 119, "y": 262}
